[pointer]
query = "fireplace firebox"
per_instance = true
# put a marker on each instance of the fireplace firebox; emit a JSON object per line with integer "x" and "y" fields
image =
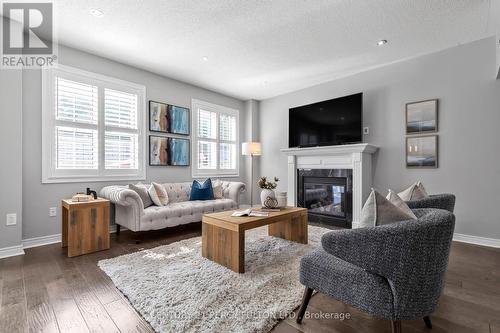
{"x": 327, "y": 194}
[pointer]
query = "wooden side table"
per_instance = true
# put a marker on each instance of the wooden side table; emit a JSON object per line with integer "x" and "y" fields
{"x": 85, "y": 226}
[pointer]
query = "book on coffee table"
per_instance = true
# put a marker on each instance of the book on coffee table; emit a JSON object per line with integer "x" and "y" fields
{"x": 250, "y": 212}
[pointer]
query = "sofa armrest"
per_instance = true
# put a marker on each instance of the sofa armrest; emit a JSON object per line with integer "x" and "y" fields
{"x": 128, "y": 206}
{"x": 444, "y": 201}
{"x": 232, "y": 190}
{"x": 121, "y": 195}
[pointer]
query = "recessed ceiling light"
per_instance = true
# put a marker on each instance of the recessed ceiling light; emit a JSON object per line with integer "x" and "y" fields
{"x": 382, "y": 42}
{"x": 205, "y": 58}
{"x": 96, "y": 12}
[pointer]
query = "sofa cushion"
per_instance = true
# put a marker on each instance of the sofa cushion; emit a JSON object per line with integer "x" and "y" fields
{"x": 177, "y": 213}
{"x": 202, "y": 191}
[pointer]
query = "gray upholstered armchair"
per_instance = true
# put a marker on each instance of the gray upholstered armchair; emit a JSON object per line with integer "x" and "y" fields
{"x": 444, "y": 201}
{"x": 393, "y": 271}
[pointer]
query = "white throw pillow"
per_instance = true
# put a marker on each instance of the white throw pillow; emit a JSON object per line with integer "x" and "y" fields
{"x": 217, "y": 187}
{"x": 414, "y": 192}
{"x": 158, "y": 194}
{"x": 379, "y": 211}
{"x": 398, "y": 202}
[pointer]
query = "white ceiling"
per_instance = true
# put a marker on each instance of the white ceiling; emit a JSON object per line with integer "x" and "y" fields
{"x": 263, "y": 48}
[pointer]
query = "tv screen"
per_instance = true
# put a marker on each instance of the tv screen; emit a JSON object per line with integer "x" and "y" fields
{"x": 334, "y": 122}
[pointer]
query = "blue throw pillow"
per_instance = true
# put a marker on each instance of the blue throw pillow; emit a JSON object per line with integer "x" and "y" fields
{"x": 202, "y": 191}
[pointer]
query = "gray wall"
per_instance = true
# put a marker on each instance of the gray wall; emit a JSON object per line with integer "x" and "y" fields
{"x": 463, "y": 78}
{"x": 37, "y": 197}
{"x": 498, "y": 55}
{"x": 10, "y": 150}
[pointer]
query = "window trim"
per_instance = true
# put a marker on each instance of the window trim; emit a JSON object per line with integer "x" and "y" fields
{"x": 49, "y": 172}
{"x": 219, "y": 109}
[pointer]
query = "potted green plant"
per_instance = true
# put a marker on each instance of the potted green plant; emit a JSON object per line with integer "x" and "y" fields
{"x": 267, "y": 187}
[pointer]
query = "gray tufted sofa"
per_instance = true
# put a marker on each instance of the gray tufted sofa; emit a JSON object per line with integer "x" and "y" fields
{"x": 444, "y": 201}
{"x": 393, "y": 271}
{"x": 130, "y": 211}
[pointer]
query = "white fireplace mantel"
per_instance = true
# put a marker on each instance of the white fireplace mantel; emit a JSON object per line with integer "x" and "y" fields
{"x": 357, "y": 157}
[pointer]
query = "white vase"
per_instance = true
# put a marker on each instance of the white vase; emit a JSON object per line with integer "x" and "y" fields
{"x": 266, "y": 193}
{"x": 282, "y": 199}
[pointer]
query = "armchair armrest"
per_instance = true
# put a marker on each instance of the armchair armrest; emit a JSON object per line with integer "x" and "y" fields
{"x": 375, "y": 249}
{"x": 444, "y": 201}
{"x": 232, "y": 190}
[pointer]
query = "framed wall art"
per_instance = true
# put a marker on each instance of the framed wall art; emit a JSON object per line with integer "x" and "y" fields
{"x": 166, "y": 151}
{"x": 422, "y": 151}
{"x": 167, "y": 118}
{"x": 422, "y": 117}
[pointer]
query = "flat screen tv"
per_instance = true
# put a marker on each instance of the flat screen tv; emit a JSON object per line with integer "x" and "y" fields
{"x": 334, "y": 122}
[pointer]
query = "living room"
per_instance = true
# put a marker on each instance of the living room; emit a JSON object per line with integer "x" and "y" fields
{"x": 133, "y": 131}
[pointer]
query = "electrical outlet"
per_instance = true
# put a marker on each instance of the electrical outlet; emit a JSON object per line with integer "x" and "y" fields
{"x": 11, "y": 219}
{"x": 52, "y": 211}
{"x": 366, "y": 130}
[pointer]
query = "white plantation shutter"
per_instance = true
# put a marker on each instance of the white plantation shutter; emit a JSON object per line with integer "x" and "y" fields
{"x": 92, "y": 127}
{"x": 76, "y": 102}
{"x": 207, "y": 155}
{"x": 207, "y": 124}
{"x": 121, "y": 150}
{"x": 227, "y": 156}
{"x": 76, "y": 148}
{"x": 120, "y": 109}
{"x": 227, "y": 127}
{"x": 216, "y": 143}
{"x": 76, "y": 111}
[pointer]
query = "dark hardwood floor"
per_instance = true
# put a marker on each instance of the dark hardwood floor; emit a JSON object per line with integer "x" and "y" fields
{"x": 44, "y": 291}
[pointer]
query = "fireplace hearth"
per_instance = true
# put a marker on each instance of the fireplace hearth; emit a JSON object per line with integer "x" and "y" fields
{"x": 327, "y": 194}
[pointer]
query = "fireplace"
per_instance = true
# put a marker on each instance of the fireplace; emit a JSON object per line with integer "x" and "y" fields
{"x": 353, "y": 162}
{"x": 327, "y": 194}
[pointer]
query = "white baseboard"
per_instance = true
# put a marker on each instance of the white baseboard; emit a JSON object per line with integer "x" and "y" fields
{"x": 51, "y": 239}
{"x": 491, "y": 242}
{"x": 41, "y": 241}
{"x": 11, "y": 251}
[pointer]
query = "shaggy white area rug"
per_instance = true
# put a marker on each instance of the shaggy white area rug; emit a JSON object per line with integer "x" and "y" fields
{"x": 177, "y": 290}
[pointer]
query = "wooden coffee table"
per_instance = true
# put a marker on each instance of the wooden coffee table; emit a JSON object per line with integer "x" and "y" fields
{"x": 223, "y": 236}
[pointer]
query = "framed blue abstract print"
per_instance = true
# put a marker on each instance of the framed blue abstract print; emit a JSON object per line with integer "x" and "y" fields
{"x": 165, "y": 151}
{"x": 167, "y": 118}
{"x": 179, "y": 120}
{"x": 179, "y": 151}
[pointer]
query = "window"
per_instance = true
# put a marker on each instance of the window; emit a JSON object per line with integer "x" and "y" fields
{"x": 92, "y": 127}
{"x": 215, "y": 144}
